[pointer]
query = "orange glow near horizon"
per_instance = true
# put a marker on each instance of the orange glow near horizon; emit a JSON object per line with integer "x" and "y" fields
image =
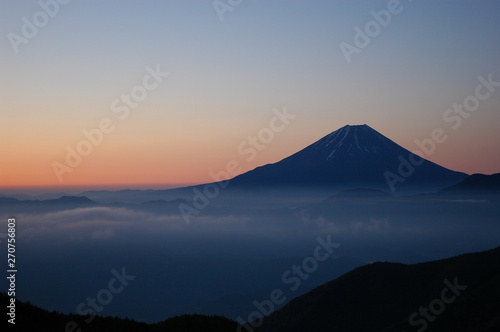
{"x": 166, "y": 159}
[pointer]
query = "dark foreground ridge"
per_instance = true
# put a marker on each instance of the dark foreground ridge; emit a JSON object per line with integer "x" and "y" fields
{"x": 32, "y": 318}
{"x": 457, "y": 294}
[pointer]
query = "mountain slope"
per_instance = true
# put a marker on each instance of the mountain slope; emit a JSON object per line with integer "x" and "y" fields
{"x": 385, "y": 296}
{"x": 351, "y": 157}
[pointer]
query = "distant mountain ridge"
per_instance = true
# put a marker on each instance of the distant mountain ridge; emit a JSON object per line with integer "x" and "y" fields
{"x": 476, "y": 183}
{"x": 79, "y": 200}
{"x": 349, "y": 158}
{"x": 13, "y": 205}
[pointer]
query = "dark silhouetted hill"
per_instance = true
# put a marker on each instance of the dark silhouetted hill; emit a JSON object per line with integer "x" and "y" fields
{"x": 32, "y": 318}
{"x": 383, "y": 297}
{"x": 459, "y": 294}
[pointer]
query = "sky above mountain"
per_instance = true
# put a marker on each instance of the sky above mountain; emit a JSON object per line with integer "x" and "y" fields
{"x": 164, "y": 92}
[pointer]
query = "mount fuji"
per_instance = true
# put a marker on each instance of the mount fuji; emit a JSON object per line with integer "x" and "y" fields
{"x": 352, "y": 157}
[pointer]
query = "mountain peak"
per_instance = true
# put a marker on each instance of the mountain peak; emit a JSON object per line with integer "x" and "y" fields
{"x": 352, "y": 140}
{"x": 73, "y": 199}
{"x": 355, "y": 126}
{"x": 354, "y": 156}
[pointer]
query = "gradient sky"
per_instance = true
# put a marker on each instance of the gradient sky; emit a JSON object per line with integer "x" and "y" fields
{"x": 225, "y": 79}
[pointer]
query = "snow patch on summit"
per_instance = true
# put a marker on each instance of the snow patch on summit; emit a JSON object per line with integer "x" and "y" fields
{"x": 352, "y": 140}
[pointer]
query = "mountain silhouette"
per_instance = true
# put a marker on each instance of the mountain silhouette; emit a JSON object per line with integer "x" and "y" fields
{"x": 10, "y": 205}
{"x": 33, "y": 318}
{"x": 461, "y": 293}
{"x": 477, "y": 183}
{"x": 71, "y": 200}
{"x": 353, "y": 157}
{"x": 457, "y": 294}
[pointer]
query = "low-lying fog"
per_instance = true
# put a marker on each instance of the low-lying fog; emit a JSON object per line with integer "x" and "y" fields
{"x": 234, "y": 252}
